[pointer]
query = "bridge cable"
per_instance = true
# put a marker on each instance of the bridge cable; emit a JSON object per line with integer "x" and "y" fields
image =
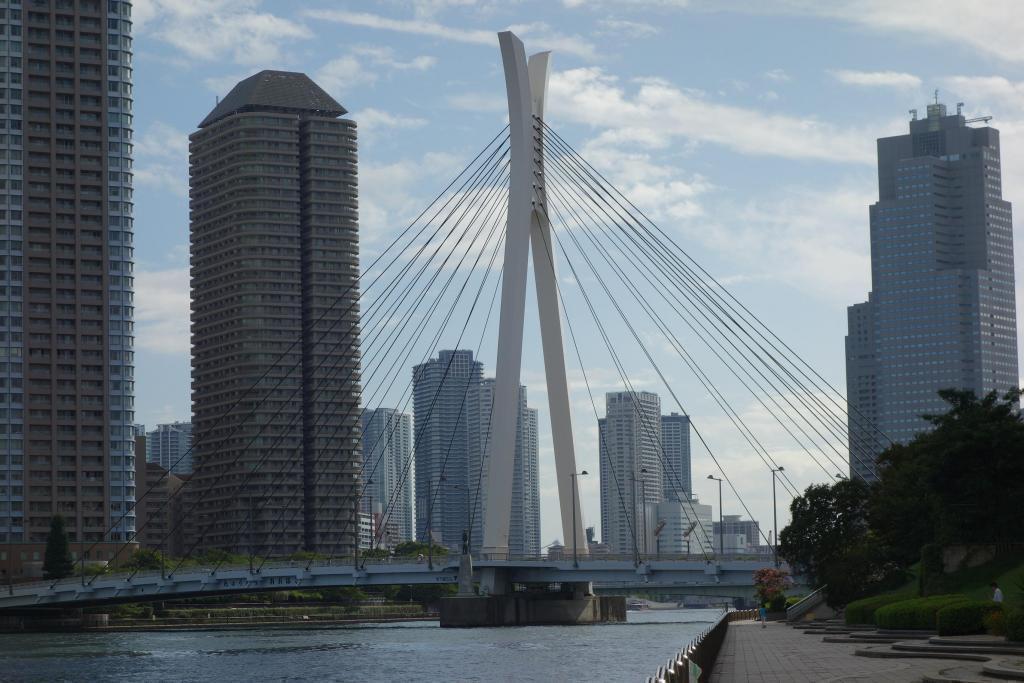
{"x": 677, "y": 346}
{"x": 804, "y": 400}
{"x": 376, "y": 366}
{"x": 714, "y": 292}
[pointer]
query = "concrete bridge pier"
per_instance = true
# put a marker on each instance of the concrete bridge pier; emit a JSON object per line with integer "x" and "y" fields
{"x": 502, "y": 602}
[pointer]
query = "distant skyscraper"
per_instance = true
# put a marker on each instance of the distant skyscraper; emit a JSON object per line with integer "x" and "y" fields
{"x": 941, "y": 311}
{"x": 275, "y": 259}
{"x": 441, "y": 441}
{"x": 675, "y": 443}
{"x": 524, "y": 526}
{"x": 631, "y": 468}
{"x": 387, "y": 449}
{"x": 168, "y": 446}
{"x": 66, "y": 227}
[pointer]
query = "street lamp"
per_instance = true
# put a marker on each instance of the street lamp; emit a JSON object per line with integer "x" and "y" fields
{"x": 721, "y": 524}
{"x": 575, "y": 486}
{"x": 775, "y": 515}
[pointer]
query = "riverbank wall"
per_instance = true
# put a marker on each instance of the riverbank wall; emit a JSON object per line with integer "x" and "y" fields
{"x": 46, "y": 621}
{"x": 694, "y": 663}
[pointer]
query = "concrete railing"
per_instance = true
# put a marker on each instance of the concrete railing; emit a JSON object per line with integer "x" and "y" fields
{"x": 694, "y": 662}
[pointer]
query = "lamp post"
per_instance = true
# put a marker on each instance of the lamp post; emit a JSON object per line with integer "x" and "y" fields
{"x": 636, "y": 525}
{"x": 775, "y": 516}
{"x": 721, "y": 524}
{"x": 575, "y": 485}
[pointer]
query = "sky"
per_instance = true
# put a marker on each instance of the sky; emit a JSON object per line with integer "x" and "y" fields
{"x": 745, "y": 129}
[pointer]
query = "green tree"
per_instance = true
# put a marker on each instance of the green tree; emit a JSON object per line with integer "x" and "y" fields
{"x": 414, "y": 548}
{"x": 143, "y": 559}
{"x": 963, "y": 479}
{"x": 829, "y": 541}
{"x": 57, "y": 562}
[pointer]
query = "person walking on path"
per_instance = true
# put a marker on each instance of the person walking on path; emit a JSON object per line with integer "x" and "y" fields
{"x": 762, "y": 613}
{"x": 997, "y": 595}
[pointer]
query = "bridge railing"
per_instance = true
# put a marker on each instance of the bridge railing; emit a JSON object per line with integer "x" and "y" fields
{"x": 440, "y": 561}
{"x": 695, "y": 662}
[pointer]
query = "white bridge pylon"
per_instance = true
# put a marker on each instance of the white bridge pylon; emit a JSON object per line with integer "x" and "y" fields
{"x": 526, "y": 84}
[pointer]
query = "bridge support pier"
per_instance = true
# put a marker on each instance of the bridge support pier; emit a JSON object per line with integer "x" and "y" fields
{"x": 575, "y": 603}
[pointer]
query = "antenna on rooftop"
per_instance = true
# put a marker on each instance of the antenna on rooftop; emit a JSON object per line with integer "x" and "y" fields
{"x": 959, "y": 108}
{"x": 936, "y": 96}
{"x": 913, "y": 115}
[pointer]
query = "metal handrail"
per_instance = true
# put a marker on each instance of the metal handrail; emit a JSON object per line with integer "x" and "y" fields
{"x": 800, "y": 608}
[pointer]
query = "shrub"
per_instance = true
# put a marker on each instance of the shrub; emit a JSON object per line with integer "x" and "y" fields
{"x": 1015, "y": 625}
{"x": 995, "y": 622}
{"x": 777, "y": 603}
{"x": 793, "y": 599}
{"x": 863, "y": 611}
{"x": 917, "y": 613}
{"x": 964, "y": 618}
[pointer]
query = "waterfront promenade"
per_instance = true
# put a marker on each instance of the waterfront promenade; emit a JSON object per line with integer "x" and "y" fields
{"x": 783, "y": 654}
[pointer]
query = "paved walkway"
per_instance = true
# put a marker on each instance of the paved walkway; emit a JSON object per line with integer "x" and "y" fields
{"x": 782, "y": 654}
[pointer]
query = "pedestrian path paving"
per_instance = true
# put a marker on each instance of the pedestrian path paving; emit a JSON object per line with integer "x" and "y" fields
{"x": 782, "y": 654}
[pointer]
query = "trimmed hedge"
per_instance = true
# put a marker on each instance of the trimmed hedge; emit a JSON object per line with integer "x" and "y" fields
{"x": 918, "y": 613}
{"x": 965, "y": 618}
{"x": 863, "y": 611}
{"x": 1015, "y": 625}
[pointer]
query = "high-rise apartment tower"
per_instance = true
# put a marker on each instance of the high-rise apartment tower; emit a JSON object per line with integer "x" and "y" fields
{"x": 441, "y": 389}
{"x": 66, "y": 336}
{"x": 168, "y": 446}
{"x": 631, "y": 468}
{"x": 524, "y": 524}
{"x": 675, "y": 443}
{"x": 941, "y": 311}
{"x": 275, "y": 337}
{"x": 387, "y": 453}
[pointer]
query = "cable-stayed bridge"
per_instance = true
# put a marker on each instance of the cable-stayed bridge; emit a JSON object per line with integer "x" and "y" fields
{"x": 607, "y": 277}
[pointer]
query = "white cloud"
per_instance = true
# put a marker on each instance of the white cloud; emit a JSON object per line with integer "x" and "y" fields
{"x": 658, "y": 114}
{"x": 385, "y": 56}
{"x": 373, "y": 120}
{"x": 888, "y": 79}
{"x": 164, "y": 141}
{"x": 626, "y": 29}
{"x": 537, "y": 32}
{"x": 219, "y": 29}
{"x": 162, "y": 311}
{"x": 777, "y": 75}
{"x": 359, "y": 67}
{"x": 161, "y": 158}
{"x": 339, "y": 75}
{"x": 478, "y": 102}
{"x": 994, "y": 29}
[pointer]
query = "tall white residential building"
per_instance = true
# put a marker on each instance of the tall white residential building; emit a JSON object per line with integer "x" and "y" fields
{"x": 524, "y": 528}
{"x": 631, "y": 468}
{"x": 168, "y": 446}
{"x": 387, "y": 453}
{"x": 687, "y": 528}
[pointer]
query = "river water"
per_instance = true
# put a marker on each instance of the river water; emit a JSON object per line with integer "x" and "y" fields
{"x": 420, "y": 651}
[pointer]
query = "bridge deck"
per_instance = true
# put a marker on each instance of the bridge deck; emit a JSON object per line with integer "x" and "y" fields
{"x": 732, "y": 577}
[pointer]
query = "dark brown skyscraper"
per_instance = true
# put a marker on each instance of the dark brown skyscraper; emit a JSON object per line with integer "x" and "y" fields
{"x": 66, "y": 338}
{"x": 275, "y": 337}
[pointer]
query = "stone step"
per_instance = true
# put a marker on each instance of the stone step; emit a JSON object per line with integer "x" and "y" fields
{"x": 959, "y": 647}
{"x": 959, "y": 674}
{"x": 887, "y": 652}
